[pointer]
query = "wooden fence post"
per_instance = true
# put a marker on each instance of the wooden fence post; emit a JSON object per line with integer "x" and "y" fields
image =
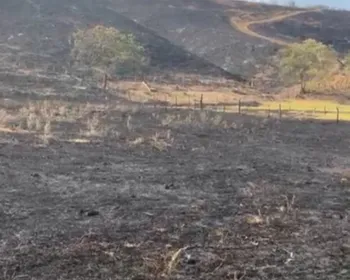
{"x": 280, "y": 110}
{"x": 175, "y": 101}
{"x": 325, "y": 110}
{"x": 201, "y": 102}
{"x": 105, "y": 81}
{"x": 337, "y": 114}
{"x": 239, "y": 106}
{"x": 268, "y": 112}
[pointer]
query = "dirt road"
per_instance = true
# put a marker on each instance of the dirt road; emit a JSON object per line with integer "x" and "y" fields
{"x": 244, "y": 26}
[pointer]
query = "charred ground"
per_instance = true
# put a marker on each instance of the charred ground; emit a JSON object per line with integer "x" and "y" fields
{"x": 113, "y": 190}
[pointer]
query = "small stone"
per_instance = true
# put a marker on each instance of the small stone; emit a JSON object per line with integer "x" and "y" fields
{"x": 169, "y": 186}
{"x": 344, "y": 181}
{"x": 91, "y": 213}
{"x": 191, "y": 261}
{"x": 309, "y": 169}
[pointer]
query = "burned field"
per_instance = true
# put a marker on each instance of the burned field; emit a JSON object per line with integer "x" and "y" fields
{"x": 93, "y": 186}
{"x": 114, "y": 190}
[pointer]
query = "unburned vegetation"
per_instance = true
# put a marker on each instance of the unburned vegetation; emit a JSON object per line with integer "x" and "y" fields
{"x": 118, "y": 190}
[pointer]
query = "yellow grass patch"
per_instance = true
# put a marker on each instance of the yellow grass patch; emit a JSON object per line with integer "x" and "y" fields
{"x": 317, "y": 109}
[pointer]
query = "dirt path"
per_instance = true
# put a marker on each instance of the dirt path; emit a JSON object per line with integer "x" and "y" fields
{"x": 244, "y": 26}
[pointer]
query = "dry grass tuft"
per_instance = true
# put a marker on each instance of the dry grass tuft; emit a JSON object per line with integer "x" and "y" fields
{"x": 47, "y": 131}
{"x": 4, "y": 117}
{"x": 128, "y": 122}
{"x": 194, "y": 118}
{"x": 163, "y": 265}
{"x": 31, "y": 121}
{"x": 95, "y": 127}
{"x": 161, "y": 142}
{"x": 174, "y": 260}
{"x": 338, "y": 82}
{"x": 254, "y": 219}
{"x": 138, "y": 141}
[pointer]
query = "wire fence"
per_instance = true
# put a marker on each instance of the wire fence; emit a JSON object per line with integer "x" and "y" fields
{"x": 331, "y": 113}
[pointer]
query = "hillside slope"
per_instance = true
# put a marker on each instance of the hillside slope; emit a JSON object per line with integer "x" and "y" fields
{"x": 36, "y": 33}
{"x": 215, "y": 29}
{"x": 327, "y": 26}
{"x": 205, "y": 37}
{"x": 246, "y": 26}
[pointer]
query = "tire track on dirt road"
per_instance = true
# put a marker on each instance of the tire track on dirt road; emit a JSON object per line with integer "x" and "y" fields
{"x": 244, "y": 26}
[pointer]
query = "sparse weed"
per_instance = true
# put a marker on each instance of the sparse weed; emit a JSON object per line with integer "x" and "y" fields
{"x": 47, "y": 128}
{"x": 164, "y": 265}
{"x": 31, "y": 121}
{"x": 124, "y": 108}
{"x": 217, "y": 120}
{"x": 46, "y": 111}
{"x": 203, "y": 117}
{"x": 63, "y": 111}
{"x": 95, "y": 127}
{"x": 3, "y": 117}
{"x": 168, "y": 119}
{"x": 38, "y": 124}
{"x": 128, "y": 122}
{"x": 189, "y": 119}
{"x": 47, "y": 132}
{"x": 138, "y": 141}
{"x": 159, "y": 142}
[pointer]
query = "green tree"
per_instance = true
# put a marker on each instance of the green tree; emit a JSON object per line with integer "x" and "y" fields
{"x": 301, "y": 62}
{"x": 109, "y": 51}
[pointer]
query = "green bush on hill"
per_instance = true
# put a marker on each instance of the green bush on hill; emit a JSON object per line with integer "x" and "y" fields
{"x": 109, "y": 51}
{"x": 302, "y": 62}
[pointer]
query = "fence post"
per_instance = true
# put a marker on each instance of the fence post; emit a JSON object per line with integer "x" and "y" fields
{"x": 325, "y": 110}
{"x": 268, "y": 112}
{"x": 280, "y": 110}
{"x": 337, "y": 115}
{"x": 201, "y": 102}
{"x": 175, "y": 101}
{"x": 239, "y": 106}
